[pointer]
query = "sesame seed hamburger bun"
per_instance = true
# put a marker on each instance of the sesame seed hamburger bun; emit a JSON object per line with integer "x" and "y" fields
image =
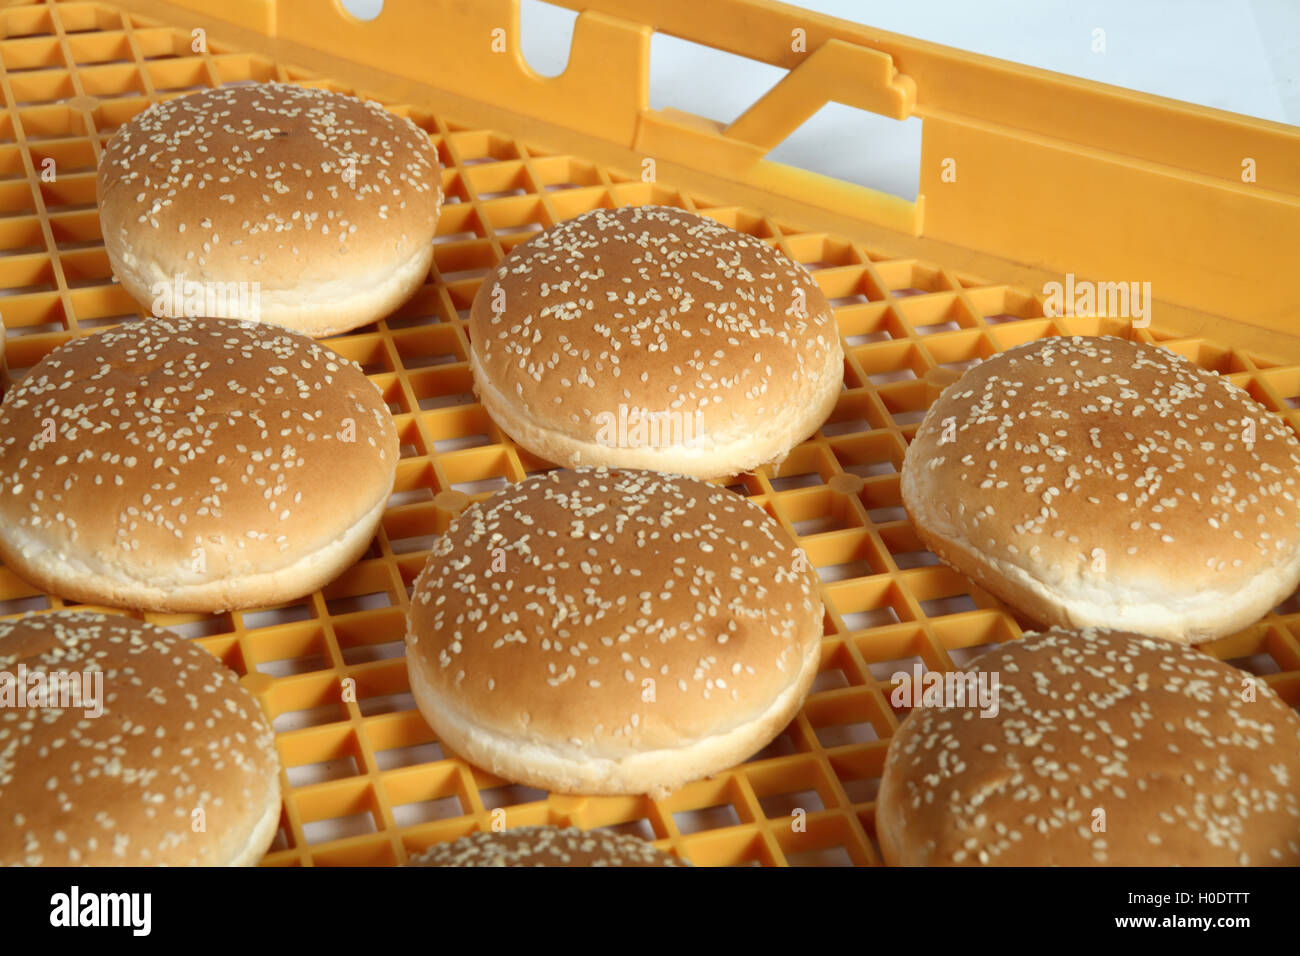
{"x": 607, "y": 632}
{"x": 178, "y": 767}
{"x": 1101, "y": 482}
{"x": 191, "y": 465}
{"x": 545, "y": 846}
{"x": 1107, "y": 749}
{"x": 649, "y": 337}
{"x": 329, "y": 203}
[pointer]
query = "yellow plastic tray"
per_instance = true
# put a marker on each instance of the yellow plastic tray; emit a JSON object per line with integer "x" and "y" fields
{"x": 921, "y": 290}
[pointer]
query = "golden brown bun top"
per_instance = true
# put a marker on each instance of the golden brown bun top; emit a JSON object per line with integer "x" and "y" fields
{"x": 545, "y": 846}
{"x": 655, "y": 308}
{"x": 670, "y": 608}
{"x": 177, "y": 734}
{"x": 171, "y": 434}
{"x": 271, "y": 182}
{"x": 1064, "y": 446}
{"x": 1156, "y": 735}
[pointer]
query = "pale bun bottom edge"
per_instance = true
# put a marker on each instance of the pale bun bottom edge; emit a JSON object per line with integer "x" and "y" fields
{"x": 103, "y": 585}
{"x": 653, "y": 772}
{"x": 260, "y": 839}
{"x": 767, "y": 441}
{"x": 1184, "y": 619}
{"x": 314, "y": 310}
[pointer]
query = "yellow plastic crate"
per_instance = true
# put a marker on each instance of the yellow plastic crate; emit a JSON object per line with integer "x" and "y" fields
{"x": 921, "y": 290}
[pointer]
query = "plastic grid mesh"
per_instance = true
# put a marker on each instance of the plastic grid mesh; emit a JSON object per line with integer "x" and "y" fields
{"x": 365, "y": 781}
